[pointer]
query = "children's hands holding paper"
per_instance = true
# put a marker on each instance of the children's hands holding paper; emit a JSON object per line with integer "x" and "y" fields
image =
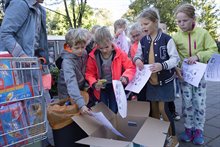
{"x": 156, "y": 67}
{"x": 123, "y": 80}
{"x": 139, "y": 64}
{"x": 192, "y": 60}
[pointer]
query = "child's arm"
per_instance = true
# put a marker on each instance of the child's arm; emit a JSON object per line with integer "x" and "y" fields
{"x": 129, "y": 69}
{"x": 210, "y": 47}
{"x": 91, "y": 74}
{"x": 71, "y": 83}
{"x": 139, "y": 57}
{"x": 173, "y": 56}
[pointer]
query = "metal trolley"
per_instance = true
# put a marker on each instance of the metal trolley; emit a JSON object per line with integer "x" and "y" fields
{"x": 22, "y": 105}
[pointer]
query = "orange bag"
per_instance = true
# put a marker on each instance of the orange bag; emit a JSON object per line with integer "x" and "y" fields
{"x": 59, "y": 115}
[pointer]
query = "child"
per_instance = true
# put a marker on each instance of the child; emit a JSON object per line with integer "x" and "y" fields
{"x": 106, "y": 61}
{"x": 171, "y": 104}
{"x": 135, "y": 34}
{"x": 91, "y": 44}
{"x": 159, "y": 50}
{"x": 71, "y": 80}
{"x": 120, "y": 39}
{"x": 195, "y": 44}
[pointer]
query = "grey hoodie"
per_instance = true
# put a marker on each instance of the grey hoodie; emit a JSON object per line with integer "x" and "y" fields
{"x": 71, "y": 78}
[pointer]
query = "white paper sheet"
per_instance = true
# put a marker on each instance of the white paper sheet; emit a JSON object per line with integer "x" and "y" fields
{"x": 122, "y": 42}
{"x": 139, "y": 80}
{"x": 99, "y": 116}
{"x": 213, "y": 68}
{"x": 120, "y": 97}
{"x": 193, "y": 74}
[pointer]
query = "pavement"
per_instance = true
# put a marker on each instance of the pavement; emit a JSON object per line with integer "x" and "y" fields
{"x": 212, "y": 124}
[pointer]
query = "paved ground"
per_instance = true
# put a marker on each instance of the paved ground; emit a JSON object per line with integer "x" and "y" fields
{"x": 212, "y": 125}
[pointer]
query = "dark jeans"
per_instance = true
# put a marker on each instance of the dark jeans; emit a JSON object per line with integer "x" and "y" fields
{"x": 107, "y": 96}
{"x": 67, "y": 136}
{"x": 172, "y": 107}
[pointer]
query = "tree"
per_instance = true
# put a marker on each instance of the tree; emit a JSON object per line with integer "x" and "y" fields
{"x": 208, "y": 15}
{"x": 74, "y": 9}
{"x": 165, "y": 8}
{"x": 57, "y": 23}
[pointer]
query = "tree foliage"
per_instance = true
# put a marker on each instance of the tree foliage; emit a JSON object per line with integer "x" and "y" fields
{"x": 58, "y": 23}
{"x": 206, "y": 8}
{"x": 208, "y": 15}
{"x": 165, "y": 8}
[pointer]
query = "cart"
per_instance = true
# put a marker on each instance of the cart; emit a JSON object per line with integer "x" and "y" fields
{"x": 22, "y": 105}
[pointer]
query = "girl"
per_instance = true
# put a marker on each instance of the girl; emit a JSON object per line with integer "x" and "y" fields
{"x": 159, "y": 50}
{"x": 195, "y": 44}
{"x": 108, "y": 62}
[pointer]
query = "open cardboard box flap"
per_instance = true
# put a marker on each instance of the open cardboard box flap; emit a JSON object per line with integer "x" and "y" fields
{"x": 152, "y": 133}
{"x": 103, "y": 142}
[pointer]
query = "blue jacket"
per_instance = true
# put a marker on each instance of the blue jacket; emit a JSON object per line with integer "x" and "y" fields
{"x": 164, "y": 52}
{"x": 17, "y": 32}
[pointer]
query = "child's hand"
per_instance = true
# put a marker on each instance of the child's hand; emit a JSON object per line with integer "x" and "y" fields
{"x": 179, "y": 73}
{"x": 192, "y": 59}
{"x": 100, "y": 84}
{"x": 156, "y": 67}
{"x": 139, "y": 64}
{"x": 85, "y": 110}
{"x": 118, "y": 32}
{"x": 123, "y": 80}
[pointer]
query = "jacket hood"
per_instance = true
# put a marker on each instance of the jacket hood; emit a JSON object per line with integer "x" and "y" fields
{"x": 65, "y": 54}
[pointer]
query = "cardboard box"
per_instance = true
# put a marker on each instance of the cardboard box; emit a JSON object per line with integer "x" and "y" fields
{"x": 137, "y": 127}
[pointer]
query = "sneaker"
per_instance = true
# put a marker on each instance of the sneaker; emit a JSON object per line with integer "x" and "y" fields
{"x": 187, "y": 135}
{"x": 172, "y": 141}
{"x": 176, "y": 116}
{"x": 198, "y": 137}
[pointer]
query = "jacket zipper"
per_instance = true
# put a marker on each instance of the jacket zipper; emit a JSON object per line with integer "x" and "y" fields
{"x": 190, "y": 50}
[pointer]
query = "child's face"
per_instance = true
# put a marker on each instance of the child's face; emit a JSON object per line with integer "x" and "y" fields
{"x": 148, "y": 27}
{"x": 106, "y": 49}
{"x": 184, "y": 22}
{"x": 78, "y": 48}
{"x": 135, "y": 35}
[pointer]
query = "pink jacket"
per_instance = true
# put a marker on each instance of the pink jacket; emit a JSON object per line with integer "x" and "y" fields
{"x": 121, "y": 66}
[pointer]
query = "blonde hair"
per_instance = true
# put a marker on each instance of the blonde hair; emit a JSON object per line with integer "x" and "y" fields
{"x": 75, "y": 36}
{"x": 187, "y": 9}
{"x": 103, "y": 36}
{"x": 151, "y": 14}
{"x": 135, "y": 27}
{"x": 120, "y": 23}
{"x": 94, "y": 28}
